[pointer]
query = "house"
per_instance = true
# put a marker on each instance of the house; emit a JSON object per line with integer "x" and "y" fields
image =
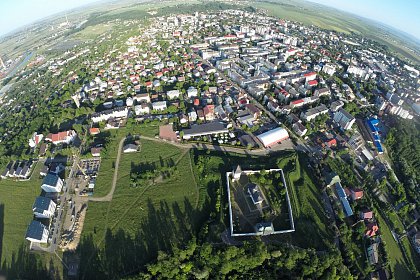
{"x": 192, "y": 92}
{"x": 366, "y": 215}
{"x": 44, "y": 171}
{"x": 116, "y": 113}
{"x": 96, "y": 152}
{"x": 35, "y": 139}
{"x": 172, "y": 94}
{"x": 65, "y": 137}
{"x": 94, "y": 131}
{"x": 43, "y": 207}
{"x": 331, "y": 142}
{"x": 130, "y": 148}
{"x": 344, "y": 119}
{"x": 312, "y": 113}
{"x": 273, "y": 136}
{"x": 192, "y": 115}
{"x": 371, "y": 229}
{"x": 336, "y": 105}
{"x": 255, "y": 194}
{"x": 372, "y": 254}
{"x": 159, "y": 105}
{"x": 205, "y": 129}
{"x": 142, "y": 109}
{"x": 322, "y": 92}
{"x": 7, "y": 170}
{"x": 167, "y": 132}
{"x": 208, "y": 111}
{"x": 299, "y": 129}
{"x": 343, "y": 199}
{"x": 37, "y": 232}
{"x": 253, "y": 110}
{"x": 142, "y": 98}
{"x": 356, "y": 194}
{"x": 52, "y": 183}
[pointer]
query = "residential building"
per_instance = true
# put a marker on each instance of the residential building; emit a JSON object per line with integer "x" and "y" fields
{"x": 312, "y": 113}
{"x": 64, "y": 137}
{"x": 159, "y": 105}
{"x": 116, "y": 113}
{"x": 52, "y": 183}
{"x": 43, "y": 207}
{"x": 37, "y": 232}
{"x": 344, "y": 119}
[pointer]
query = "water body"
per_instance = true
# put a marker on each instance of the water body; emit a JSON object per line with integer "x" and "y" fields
{"x": 22, "y": 64}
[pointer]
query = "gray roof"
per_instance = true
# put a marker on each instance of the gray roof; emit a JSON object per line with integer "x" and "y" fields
{"x": 35, "y": 230}
{"x": 41, "y": 204}
{"x": 207, "y": 128}
{"x": 50, "y": 180}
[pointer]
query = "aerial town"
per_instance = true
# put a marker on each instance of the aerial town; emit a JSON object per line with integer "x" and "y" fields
{"x": 296, "y": 106}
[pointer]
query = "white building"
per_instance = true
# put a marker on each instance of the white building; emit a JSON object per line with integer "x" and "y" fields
{"x": 172, "y": 94}
{"x": 121, "y": 112}
{"x": 43, "y": 207}
{"x": 142, "y": 109}
{"x": 328, "y": 69}
{"x": 159, "y": 105}
{"x": 37, "y": 232}
{"x": 192, "y": 92}
{"x": 273, "y": 136}
{"x": 52, "y": 183}
{"x": 344, "y": 119}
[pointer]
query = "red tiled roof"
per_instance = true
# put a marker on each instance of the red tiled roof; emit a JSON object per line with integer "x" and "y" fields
{"x": 313, "y": 83}
{"x": 297, "y": 101}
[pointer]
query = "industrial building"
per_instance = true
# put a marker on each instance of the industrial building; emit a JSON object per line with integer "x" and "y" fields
{"x": 273, "y": 136}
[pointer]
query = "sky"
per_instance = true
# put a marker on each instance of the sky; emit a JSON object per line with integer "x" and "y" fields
{"x": 401, "y": 14}
{"x": 17, "y": 13}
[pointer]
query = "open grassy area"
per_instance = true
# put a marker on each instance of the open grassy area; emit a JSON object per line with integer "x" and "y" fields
{"x": 130, "y": 205}
{"x": 397, "y": 262}
{"x": 17, "y": 199}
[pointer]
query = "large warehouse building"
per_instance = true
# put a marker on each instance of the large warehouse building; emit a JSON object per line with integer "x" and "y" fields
{"x": 273, "y": 136}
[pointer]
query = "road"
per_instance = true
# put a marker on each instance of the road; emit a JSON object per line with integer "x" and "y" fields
{"x": 109, "y": 196}
{"x": 59, "y": 218}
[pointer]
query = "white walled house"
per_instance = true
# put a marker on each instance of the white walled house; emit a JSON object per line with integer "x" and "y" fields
{"x": 159, "y": 105}
{"x": 172, "y": 94}
{"x": 142, "y": 109}
{"x": 52, "y": 183}
{"x": 43, "y": 207}
{"x": 121, "y": 112}
{"x": 37, "y": 232}
{"x": 192, "y": 92}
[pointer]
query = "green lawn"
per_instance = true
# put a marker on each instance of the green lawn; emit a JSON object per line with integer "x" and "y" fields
{"x": 397, "y": 262}
{"x": 17, "y": 199}
{"x": 106, "y": 170}
{"x": 130, "y": 205}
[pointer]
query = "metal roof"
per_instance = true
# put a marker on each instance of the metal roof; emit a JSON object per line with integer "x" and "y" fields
{"x": 50, "y": 180}
{"x": 35, "y": 230}
{"x": 41, "y": 204}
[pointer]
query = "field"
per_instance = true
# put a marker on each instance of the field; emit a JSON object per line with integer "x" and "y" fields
{"x": 326, "y": 18}
{"x": 16, "y": 199}
{"x": 129, "y": 206}
{"x": 397, "y": 262}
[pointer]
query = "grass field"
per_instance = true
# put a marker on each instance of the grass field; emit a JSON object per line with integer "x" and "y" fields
{"x": 129, "y": 206}
{"x": 397, "y": 261}
{"x": 17, "y": 199}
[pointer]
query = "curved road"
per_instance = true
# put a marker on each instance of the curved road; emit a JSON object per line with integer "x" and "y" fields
{"x": 109, "y": 196}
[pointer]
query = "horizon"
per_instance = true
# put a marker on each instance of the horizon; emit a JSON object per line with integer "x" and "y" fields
{"x": 56, "y": 7}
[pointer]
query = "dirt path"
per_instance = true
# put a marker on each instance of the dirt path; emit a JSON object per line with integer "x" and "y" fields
{"x": 109, "y": 196}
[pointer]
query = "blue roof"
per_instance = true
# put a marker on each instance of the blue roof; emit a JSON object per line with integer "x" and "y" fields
{"x": 50, "y": 180}
{"x": 340, "y": 190}
{"x": 346, "y": 205}
{"x": 41, "y": 203}
{"x": 35, "y": 230}
{"x": 343, "y": 198}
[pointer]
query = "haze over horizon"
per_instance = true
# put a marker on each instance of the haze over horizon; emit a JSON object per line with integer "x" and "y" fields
{"x": 402, "y": 16}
